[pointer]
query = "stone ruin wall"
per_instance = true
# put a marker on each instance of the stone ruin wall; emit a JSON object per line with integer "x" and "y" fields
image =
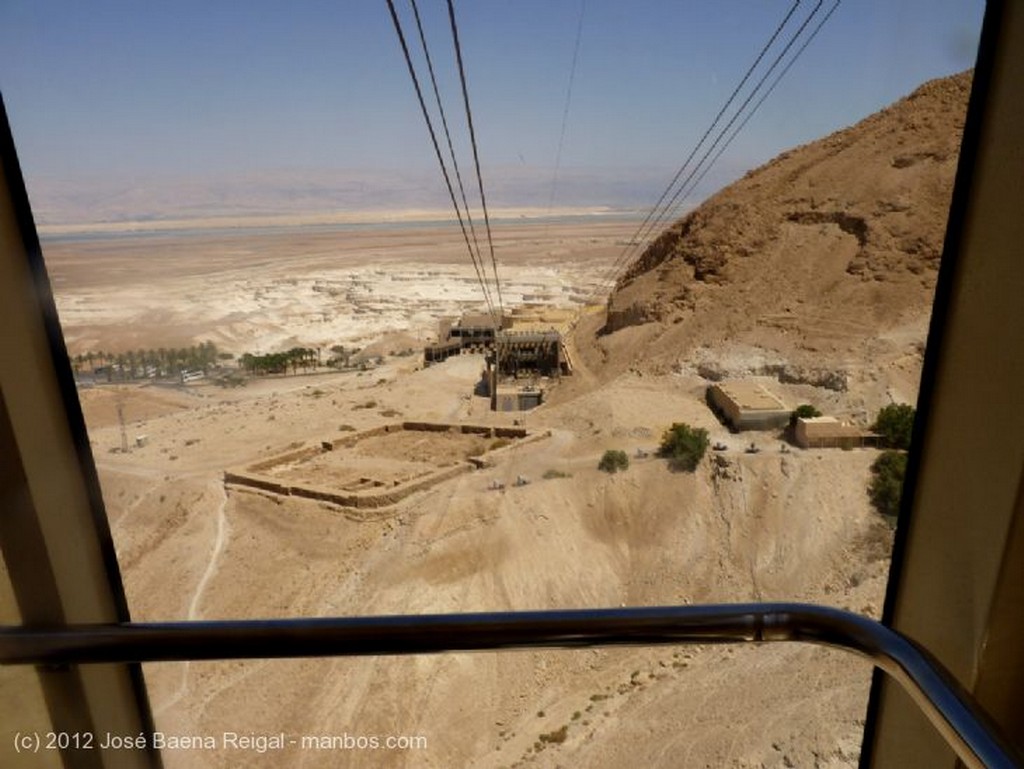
{"x": 252, "y": 475}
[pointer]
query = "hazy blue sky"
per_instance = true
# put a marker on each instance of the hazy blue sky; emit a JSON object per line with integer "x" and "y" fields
{"x": 209, "y": 87}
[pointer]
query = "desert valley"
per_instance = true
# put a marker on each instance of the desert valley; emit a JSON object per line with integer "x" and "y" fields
{"x": 813, "y": 276}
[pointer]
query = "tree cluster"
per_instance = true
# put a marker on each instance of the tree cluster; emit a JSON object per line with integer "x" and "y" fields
{"x": 341, "y": 356}
{"x": 278, "y": 362}
{"x": 886, "y": 487}
{"x": 804, "y": 411}
{"x": 895, "y": 423}
{"x": 151, "y": 363}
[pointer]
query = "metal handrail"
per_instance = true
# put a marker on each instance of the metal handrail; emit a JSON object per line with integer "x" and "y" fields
{"x": 953, "y": 711}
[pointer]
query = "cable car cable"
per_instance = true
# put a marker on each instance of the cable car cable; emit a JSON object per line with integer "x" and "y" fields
{"x": 565, "y": 111}
{"x": 447, "y": 133}
{"x": 437, "y": 148}
{"x": 476, "y": 155}
{"x": 677, "y": 196}
{"x": 643, "y": 231}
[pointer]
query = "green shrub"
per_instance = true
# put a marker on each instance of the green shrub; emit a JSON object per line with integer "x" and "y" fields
{"x": 804, "y": 411}
{"x": 683, "y": 446}
{"x": 613, "y": 460}
{"x": 886, "y": 485}
{"x": 557, "y": 736}
{"x": 895, "y": 423}
{"x": 552, "y": 473}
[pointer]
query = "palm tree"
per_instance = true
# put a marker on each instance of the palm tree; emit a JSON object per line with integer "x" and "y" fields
{"x": 209, "y": 353}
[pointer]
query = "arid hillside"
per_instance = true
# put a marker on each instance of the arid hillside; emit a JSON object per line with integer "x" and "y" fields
{"x": 812, "y": 254}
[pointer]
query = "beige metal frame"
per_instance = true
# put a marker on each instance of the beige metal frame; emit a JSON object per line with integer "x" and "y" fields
{"x": 957, "y": 581}
{"x": 53, "y": 530}
{"x": 958, "y": 577}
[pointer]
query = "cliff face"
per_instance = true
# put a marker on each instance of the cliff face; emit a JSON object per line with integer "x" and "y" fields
{"x": 840, "y": 236}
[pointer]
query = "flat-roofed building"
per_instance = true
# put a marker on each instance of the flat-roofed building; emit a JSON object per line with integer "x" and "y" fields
{"x": 476, "y": 327}
{"x": 513, "y": 398}
{"x": 533, "y": 352}
{"x": 473, "y": 333}
{"x": 829, "y": 432}
{"x": 746, "y": 405}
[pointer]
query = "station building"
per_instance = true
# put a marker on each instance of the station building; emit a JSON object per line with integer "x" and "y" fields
{"x": 521, "y": 353}
{"x": 747, "y": 405}
{"x": 472, "y": 333}
{"x": 829, "y": 432}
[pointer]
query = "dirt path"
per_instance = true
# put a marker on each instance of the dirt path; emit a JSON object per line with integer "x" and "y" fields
{"x": 218, "y": 547}
{"x": 223, "y": 532}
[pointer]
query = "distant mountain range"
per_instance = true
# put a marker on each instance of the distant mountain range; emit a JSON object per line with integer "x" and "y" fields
{"x": 118, "y": 198}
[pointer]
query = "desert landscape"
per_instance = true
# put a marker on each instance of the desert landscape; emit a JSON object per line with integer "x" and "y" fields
{"x": 812, "y": 275}
{"x": 338, "y": 285}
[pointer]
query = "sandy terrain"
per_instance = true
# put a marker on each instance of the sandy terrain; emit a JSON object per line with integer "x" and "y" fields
{"x": 281, "y": 288}
{"x": 793, "y": 526}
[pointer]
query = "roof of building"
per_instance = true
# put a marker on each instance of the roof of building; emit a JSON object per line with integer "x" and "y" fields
{"x": 505, "y": 390}
{"x": 830, "y": 427}
{"x": 751, "y": 396}
{"x": 475, "y": 320}
{"x": 529, "y": 337}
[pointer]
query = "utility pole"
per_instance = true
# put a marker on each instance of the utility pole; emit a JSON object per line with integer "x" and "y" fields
{"x": 124, "y": 432}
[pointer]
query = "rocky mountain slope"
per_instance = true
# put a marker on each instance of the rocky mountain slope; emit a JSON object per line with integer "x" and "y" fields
{"x": 814, "y": 253}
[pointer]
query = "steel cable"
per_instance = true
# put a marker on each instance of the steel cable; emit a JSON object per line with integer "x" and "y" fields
{"x": 437, "y": 150}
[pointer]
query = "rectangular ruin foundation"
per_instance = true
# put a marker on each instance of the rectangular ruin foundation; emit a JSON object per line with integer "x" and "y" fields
{"x": 379, "y": 467}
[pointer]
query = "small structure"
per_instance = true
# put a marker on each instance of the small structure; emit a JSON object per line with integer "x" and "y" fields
{"x": 517, "y": 360}
{"x": 745, "y": 405}
{"x": 523, "y": 355}
{"x": 442, "y": 351}
{"x": 514, "y": 398}
{"x": 472, "y": 333}
{"x": 535, "y": 353}
{"x": 829, "y": 432}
